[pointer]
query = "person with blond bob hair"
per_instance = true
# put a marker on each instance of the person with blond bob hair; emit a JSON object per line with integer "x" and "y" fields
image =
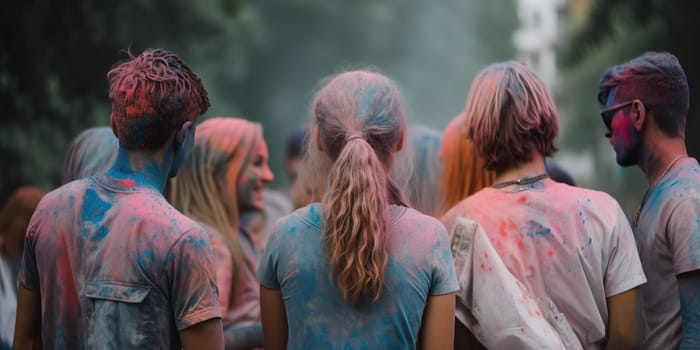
{"x": 463, "y": 171}
{"x": 569, "y": 249}
{"x": 90, "y": 153}
{"x": 225, "y": 176}
{"x": 360, "y": 269}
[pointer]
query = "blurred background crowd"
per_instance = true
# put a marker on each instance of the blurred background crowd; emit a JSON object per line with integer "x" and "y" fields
{"x": 261, "y": 59}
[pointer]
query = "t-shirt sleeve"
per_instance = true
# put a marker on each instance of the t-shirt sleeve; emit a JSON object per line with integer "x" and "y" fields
{"x": 444, "y": 279}
{"x": 448, "y": 220}
{"x": 683, "y": 233}
{"x": 193, "y": 289}
{"x": 223, "y": 264}
{"x": 269, "y": 262}
{"x": 28, "y": 273}
{"x": 624, "y": 270}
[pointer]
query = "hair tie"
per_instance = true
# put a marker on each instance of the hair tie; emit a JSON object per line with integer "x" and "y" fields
{"x": 355, "y": 135}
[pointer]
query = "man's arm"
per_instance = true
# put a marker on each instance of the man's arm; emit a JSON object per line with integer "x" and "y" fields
{"x": 28, "y": 321}
{"x": 689, "y": 288}
{"x": 437, "y": 331}
{"x": 203, "y": 335}
{"x": 623, "y": 324}
{"x": 274, "y": 319}
{"x": 243, "y": 337}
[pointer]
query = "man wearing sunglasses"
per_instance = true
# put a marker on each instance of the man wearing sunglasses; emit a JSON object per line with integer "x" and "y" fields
{"x": 644, "y": 107}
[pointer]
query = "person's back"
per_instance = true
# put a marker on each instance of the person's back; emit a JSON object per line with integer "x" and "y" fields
{"x": 109, "y": 256}
{"x": 359, "y": 270}
{"x": 571, "y": 249}
{"x": 108, "y": 263}
{"x": 316, "y": 307}
{"x": 563, "y": 244}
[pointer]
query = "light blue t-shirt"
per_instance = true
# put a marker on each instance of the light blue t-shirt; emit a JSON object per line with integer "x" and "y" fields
{"x": 419, "y": 265}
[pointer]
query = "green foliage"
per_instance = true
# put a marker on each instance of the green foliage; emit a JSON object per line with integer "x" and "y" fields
{"x": 53, "y": 71}
{"x": 259, "y": 60}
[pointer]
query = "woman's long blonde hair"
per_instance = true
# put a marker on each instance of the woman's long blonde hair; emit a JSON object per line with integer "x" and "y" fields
{"x": 200, "y": 189}
{"x": 358, "y": 124}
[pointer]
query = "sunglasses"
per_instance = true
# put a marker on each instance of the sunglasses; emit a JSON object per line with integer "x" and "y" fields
{"x": 608, "y": 113}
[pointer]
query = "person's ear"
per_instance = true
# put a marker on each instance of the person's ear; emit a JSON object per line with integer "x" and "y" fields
{"x": 399, "y": 145}
{"x": 317, "y": 138}
{"x": 184, "y": 136}
{"x": 113, "y": 125}
{"x": 639, "y": 114}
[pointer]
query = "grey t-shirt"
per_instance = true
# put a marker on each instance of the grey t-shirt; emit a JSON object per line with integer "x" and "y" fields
{"x": 668, "y": 238}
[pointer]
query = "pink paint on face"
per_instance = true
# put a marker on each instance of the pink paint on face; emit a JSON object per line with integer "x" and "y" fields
{"x": 622, "y": 133}
{"x": 624, "y": 138}
{"x": 255, "y": 175}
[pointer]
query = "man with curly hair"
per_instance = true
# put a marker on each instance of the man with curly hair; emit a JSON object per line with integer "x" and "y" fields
{"x": 108, "y": 263}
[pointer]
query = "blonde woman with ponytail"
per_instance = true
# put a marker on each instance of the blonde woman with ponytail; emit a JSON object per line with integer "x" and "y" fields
{"x": 359, "y": 270}
{"x": 224, "y": 177}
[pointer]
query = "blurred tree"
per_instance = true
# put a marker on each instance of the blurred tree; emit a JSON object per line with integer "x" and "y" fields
{"x": 53, "y": 67}
{"x": 258, "y": 59}
{"x": 616, "y": 31}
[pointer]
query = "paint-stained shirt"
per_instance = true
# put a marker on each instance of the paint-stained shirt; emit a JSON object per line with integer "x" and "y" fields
{"x": 116, "y": 267}
{"x": 246, "y": 310}
{"x": 569, "y": 245}
{"x": 668, "y": 237}
{"x": 419, "y": 265}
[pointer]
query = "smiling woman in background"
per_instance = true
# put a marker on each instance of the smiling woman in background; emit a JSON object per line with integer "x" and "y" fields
{"x": 224, "y": 177}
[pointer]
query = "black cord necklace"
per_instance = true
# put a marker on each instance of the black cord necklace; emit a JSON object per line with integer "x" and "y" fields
{"x": 521, "y": 181}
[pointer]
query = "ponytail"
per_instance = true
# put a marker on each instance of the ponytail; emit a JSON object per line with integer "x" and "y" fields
{"x": 354, "y": 208}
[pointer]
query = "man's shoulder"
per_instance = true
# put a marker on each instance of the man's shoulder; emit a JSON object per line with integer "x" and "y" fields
{"x": 153, "y": 213}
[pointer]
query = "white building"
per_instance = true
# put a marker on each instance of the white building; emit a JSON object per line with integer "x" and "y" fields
{"x": 542, "y": 24}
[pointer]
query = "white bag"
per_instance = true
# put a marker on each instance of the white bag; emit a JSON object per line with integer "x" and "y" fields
{"x": 498, "y": 309}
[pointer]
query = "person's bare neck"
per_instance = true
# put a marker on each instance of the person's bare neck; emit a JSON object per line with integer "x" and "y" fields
{"x": 660, "y": 155}
{"x": 531, "y": 168}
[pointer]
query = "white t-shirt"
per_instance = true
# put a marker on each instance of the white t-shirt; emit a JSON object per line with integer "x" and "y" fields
{"x": 668, "y": 238}
{"x": 570, "y": 245}
{"x": 9, "y": 269}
